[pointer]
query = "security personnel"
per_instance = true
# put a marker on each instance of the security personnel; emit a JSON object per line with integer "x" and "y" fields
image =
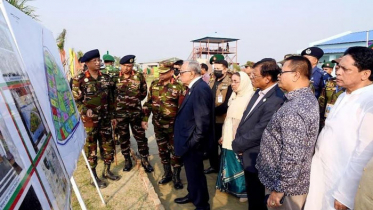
{"x": 130, "y": 89}
{"x": 313, "y": 54}
{"x": 220, "y": 84}
{"x": 113, "y": 72}
{"x": 91, "y": 91}
{"x": 164, "y": 99}
{"x": 327, "y": 67}
{"x": 109, "y": 65}
{"x": 215, "y": 58}
{"x": 329, "y": 96}
{"x": 248, "y": 67}
{"x": 176, "y": 67}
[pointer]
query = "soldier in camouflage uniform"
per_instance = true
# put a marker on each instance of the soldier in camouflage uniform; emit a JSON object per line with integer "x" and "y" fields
{"x": 91, "y": 91}
{"x": 130, "y": 90}
{"x": 113, "y": 72}
{"x": 164, "y": 99}
{"x": 329, "y": 96}
{"x": 109, "y": 66}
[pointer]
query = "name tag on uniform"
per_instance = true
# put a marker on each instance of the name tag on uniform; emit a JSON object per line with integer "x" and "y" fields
{"x": 327, "y": 109}
{"x": 220, "y": 98}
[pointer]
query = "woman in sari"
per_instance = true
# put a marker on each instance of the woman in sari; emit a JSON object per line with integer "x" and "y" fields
{"x": 231, "y": 177}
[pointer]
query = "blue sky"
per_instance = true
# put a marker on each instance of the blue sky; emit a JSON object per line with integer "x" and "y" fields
{"x": 153, "y": 30}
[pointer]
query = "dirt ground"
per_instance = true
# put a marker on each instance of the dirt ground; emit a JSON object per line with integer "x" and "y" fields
{"x": 127, "y": 193}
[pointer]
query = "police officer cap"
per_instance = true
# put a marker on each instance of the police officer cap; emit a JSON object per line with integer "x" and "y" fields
{"x": 127, "y": 59}
{"x": 328, "y": 65}
{"x": 313, "y": 51}
{"x": 216, "y": 57}
{"x": 108, "y": 57}
{"x": 90, "y": 55}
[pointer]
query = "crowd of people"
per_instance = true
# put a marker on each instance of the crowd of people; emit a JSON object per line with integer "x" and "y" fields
{"x": 293, "y": 137}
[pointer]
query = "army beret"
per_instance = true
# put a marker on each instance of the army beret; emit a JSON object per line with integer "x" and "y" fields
{"x": 127, "y": 59}
{"x": 328, "y": 65}
{"x": 90, "y": 55}
{"x": 370, "y": 46}
{"x": 216, "y": 57}
{"x": 108, "y": 57}
{"x": 249, "y": 63}
{"x": 337, "y": 60}
{"x": 313, "y": 51}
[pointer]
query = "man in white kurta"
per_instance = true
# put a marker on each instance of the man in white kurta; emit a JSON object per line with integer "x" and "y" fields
{"x": 345, "y": 145}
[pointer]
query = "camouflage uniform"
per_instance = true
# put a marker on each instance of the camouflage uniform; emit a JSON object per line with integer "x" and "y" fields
{"x": 111, "y": 71}
{"x": 129, "y": 92}
{"x": 94, "y": 94}
{"x": 164, "y": 102}
{"x": 329, "y": 95}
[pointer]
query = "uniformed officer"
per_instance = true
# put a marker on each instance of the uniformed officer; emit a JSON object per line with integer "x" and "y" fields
{"x": 313, "y": 54}
{"x": 130, "y": 90}
{"x": 176, "y": 67}
{"x": 248, "y": 67}
{"x": 109, "y": 65}
{"x": 329, "y": 96}
{"x": 113, "y": 72}
{"x": 327, "y": 67}
{"x": 91, "y": 91}
{"x": 220, "y": 84}
{"x": 164, "y": 99}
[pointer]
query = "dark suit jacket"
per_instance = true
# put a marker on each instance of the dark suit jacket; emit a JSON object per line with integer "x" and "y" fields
{"x": 194, "y": 120}
{"x": 250, "y": 130}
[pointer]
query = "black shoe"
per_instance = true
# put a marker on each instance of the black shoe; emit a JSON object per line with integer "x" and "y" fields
{"x": 167, "y": 176}
{"x": 107, "y": 174}
{"x": 210, "y": 170}
{"x": 182, "y": 200}
{"x": 176, "y": 179}
{"x": 146, "y": 165}
{"x": 127, "y": 163}
{"x": 101, "y": 184}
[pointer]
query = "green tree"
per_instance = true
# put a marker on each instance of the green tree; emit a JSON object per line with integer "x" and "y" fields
{"x": 21, "y": 5}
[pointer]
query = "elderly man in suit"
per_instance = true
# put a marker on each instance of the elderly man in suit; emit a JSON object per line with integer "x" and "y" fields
{"x": 192, "y": 133}
{"x": 264, "y": 103}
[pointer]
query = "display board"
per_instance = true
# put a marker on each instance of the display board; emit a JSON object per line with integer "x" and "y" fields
{"x": 41, "y": 134}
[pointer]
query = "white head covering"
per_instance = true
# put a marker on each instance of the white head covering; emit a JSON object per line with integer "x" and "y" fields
{"x": 236, "y": 106}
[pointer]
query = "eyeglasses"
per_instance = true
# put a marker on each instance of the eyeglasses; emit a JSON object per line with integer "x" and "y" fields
{"x": 176, "y": 69}
{"x": 255, "y": 76}
{"x": 182, "y": 72}
{"x": 283, "y": 72}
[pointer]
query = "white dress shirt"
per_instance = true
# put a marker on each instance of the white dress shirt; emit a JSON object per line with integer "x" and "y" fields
{"x": 344, "y": 147}
{"x": 261, "y": 93}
